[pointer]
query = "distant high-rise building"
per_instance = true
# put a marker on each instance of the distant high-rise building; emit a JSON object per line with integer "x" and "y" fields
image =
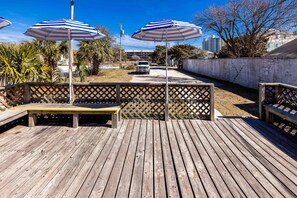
{"x": 212, "y": 44}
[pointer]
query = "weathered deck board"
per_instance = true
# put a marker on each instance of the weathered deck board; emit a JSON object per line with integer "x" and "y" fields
{"x": 227, "y": 178}
{"x": 36, "y": 160}
{"x": 125, "y": 179}
{"x": 229, "y": 160}
{"x": 111, "y": 186}
{"x": 194, "y": 177}
{"x": 159, "y": 174}
{"x": 148, "y": 169}
{"x": 268, "y": 147}
{"x": 206, "y": 180}
{"x": 137, "y": 174}
{"x": 181, "y": 173}
{"x": 265, "y": 171}
{"x": 240, "y": 157}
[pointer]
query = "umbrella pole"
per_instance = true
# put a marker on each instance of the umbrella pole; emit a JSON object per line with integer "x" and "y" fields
{"x": 166, "y": 88}
{"x": 70, "y": 54}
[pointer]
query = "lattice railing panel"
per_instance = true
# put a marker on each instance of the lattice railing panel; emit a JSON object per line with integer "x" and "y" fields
{"x": 94, "y": 94}
{"x": 288, "y": 97}
{"x": 270, "y": 94}
{"x": 189, "y": 101}
{"x": 137, "y": 100}
{"x": 129, "y": 92}
{"x": 11, "y": 96}
{"x": 142, "y": 109}
{"x": 54, "y": 93}
{"x": 142, "y": 101}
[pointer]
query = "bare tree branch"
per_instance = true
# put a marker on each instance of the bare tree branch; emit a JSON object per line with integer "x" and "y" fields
{"x": 245, "y": 25}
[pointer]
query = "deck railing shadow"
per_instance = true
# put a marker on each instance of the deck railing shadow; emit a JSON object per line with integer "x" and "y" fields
{"x": 285, "y": 142}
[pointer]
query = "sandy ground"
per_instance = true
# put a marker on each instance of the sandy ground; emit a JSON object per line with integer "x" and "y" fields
{"x": 158, "y": 74}
{"x": 230, "y": 99}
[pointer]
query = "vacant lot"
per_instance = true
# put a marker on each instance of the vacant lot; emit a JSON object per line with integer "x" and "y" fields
{"x": 230, "y": 99}
{"x": 111, "y": 75}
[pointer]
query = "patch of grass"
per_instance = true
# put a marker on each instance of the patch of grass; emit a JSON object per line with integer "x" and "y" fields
{"x": 111, "y": 75}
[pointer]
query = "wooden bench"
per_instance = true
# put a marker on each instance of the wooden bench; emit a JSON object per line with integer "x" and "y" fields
{"x": 11, "y": 115}
{"x": 281, "y": 111}
{"x": 277, "y": 99}
{"x": 75, "y": 110}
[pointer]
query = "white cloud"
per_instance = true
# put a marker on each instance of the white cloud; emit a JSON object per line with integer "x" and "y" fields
{"x": 13, "y": 36}
{"x": 130, "y": 43}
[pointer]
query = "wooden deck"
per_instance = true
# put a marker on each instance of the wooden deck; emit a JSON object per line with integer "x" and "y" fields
{"x": 231, "y": 157}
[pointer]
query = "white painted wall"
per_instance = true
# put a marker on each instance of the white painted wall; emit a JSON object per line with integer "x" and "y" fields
{"x": 247, "y": 72}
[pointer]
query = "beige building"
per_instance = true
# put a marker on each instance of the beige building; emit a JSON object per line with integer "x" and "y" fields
{"x": 143, "y": 54}
{"x": 279, "y": 38}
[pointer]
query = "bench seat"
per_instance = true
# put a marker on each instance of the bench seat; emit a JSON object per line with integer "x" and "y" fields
{"x": 75, "y": 110}
{"x": 281, "y": 111}
{"x": 11, "y": 115}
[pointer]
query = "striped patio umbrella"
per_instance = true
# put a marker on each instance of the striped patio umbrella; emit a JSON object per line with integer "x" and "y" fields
{"x": 60, "y": 30}
{"x": 63, "y": 29}
{"x": 164, "y": 31}
{"x": 4, "y": 22}
{"x": 168, "y": 30}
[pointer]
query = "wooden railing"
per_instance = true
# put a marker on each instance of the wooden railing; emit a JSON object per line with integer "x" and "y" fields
{"x": 137, "y": 100}
{"x": 276, "y": 93}
{"x": 278, "y": 105}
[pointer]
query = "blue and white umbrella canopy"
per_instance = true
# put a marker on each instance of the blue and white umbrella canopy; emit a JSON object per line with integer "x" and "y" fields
{"x": 65, "y": 30}
{"x": 59, "y": 30}
{"x": 4, "y": 22}
{"x": 168, "y": 30}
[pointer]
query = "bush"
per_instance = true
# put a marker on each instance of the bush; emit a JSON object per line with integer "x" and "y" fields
{"x": 130, "y": 67}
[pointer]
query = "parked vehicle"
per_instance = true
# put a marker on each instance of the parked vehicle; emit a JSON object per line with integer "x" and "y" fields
{"x": 143, "y": 67}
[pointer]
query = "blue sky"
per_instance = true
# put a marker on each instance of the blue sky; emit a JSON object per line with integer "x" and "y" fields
{"x": 132, "y": 14}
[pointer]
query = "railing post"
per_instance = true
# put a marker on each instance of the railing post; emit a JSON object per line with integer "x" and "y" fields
{"x": 27, "y": 93}
{"x": 277, "y": 91}
{"x": 118, "y": 93}
{"x": 261, "y": 100}
{"x": 74, "y": 86}
{"x": 212, "y": 112}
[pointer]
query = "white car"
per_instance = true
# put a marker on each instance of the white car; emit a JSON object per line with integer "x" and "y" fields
{"x": 143, "y": 67}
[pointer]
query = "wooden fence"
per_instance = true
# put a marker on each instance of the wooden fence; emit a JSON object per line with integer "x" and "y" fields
{"x": 137, "y": 100}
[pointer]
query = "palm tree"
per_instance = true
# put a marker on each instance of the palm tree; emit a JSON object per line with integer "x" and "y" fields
{"x": 51, "y": 53}
{"x": 81, "y": 62}
{"x": 30, "y": 64}
{"x": 8, "y": 70}
{"x": 97, "y": 51}
{"x": 20, "y": 63}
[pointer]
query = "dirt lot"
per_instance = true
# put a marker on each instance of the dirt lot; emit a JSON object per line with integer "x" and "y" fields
{"x": 111, "y": 75}
{"x": 230, "y": 99}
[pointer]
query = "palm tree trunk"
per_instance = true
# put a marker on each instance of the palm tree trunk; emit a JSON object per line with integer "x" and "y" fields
{"x": 96, "y": 65}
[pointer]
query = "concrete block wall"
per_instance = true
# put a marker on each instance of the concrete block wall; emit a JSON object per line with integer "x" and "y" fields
{"x": 247, "y": 72}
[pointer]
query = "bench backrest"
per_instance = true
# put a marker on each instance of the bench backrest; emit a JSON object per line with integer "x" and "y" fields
{"x": 277, "y": 93}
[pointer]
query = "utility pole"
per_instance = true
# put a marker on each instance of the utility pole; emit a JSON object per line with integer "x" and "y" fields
{"x": 121, "y": 34}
